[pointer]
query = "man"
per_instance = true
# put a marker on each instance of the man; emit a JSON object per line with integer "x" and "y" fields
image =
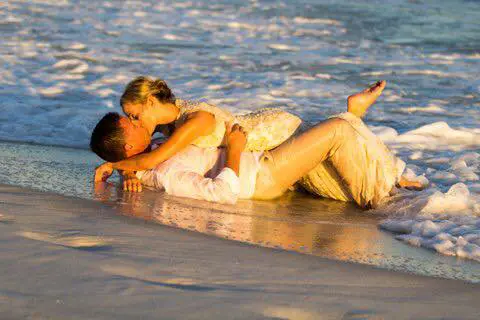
{"x": 365, "y": 167}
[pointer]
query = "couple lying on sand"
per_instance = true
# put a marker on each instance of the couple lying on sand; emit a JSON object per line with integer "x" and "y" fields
{"x": 215, "y": 156}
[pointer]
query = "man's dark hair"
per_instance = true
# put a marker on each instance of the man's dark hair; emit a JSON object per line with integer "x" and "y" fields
{"x": 107, "y": 139}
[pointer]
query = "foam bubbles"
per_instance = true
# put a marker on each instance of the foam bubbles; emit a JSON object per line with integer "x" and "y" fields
{"x": 431, "y": 108}
{"x": 448, "y": 223}
{"x": 303, "y": 20}
{"x": 416, "y": 72}
{"x": 77, "y": 46}
{"x": 439, "y": 135}
{"x": 51, "y": 91}
{"x": 74, "y": 66}
{"x": 283, "y": 47}
{"x": 384, "y": 133}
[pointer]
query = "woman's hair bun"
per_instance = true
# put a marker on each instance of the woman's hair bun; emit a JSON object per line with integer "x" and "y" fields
{"x": 160, "y": 90}
{"x": 140, "y": 88}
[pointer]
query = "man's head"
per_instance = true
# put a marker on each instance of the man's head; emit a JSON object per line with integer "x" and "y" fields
{"x": 116, "y": 138}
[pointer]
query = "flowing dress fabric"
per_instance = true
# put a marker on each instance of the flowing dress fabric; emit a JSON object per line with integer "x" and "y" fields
{"x": 372, "y": 169}
{"x": 267, "y": 128}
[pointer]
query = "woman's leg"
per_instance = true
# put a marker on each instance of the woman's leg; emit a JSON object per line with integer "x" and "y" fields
{"x": 286, "y": 164}
{"x": 334, "y": 139}
{"x": 359, "y": 103}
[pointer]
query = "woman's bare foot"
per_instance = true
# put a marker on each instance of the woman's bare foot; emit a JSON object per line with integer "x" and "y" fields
{"x": 359, "y": 103}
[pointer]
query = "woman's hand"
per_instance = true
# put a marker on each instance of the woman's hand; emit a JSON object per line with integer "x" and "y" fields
{"x": 103, "y": 172}
{"x": 131, "y": 183}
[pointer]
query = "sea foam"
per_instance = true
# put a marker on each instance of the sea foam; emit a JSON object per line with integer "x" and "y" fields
{"x": 447, "y": 222}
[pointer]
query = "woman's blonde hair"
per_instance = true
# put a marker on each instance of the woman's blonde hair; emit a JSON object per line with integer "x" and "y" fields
{"x": 140, "y": 88}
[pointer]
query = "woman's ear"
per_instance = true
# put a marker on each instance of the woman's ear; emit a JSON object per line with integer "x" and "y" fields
{"x": 151, "y": 100}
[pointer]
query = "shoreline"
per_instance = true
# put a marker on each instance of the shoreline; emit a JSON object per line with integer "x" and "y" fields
{"x": 66, "y": 256}
{"x": 295, "y": 222}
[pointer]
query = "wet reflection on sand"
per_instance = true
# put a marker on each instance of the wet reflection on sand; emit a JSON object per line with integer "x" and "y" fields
{"x": 295, "y": 222}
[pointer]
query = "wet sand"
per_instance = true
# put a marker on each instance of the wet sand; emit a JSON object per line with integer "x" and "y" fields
{"x": 296, "y": 222}
{"x": 71, "y": 258}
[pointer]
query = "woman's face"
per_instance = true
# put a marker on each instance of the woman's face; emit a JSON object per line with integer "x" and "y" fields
{"x": 141, "y": 114}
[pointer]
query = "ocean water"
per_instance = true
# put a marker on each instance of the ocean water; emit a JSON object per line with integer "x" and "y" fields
{"x": 65, "y": 64}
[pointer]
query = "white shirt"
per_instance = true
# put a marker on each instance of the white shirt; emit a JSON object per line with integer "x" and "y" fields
{"x": 200, "y": 173}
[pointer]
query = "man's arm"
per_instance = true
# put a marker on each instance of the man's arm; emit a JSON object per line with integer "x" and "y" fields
{"x": 224, "y": 188}
{"x": 198, "y": 124}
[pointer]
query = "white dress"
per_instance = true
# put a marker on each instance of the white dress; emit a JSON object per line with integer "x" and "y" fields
{"x": 266, "y": 128}
{"x": 373, "y": 172}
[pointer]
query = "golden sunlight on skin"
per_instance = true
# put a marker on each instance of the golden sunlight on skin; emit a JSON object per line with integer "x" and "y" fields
{"x": 137, "y": 138}
{"x": 151, "y": 113}
{"x": 137, "y": 112}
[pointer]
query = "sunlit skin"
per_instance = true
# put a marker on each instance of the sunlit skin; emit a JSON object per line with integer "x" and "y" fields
{"x": 359, "y": 103}
{"x": 151, "y": 113}
{"x": 137, "y": 137}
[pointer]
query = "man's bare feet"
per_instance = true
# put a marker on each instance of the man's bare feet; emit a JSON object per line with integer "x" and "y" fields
{"x": 359, "y": 103}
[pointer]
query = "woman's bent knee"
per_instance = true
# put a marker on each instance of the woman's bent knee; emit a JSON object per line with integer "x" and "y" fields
{"x": 341, "y": 125}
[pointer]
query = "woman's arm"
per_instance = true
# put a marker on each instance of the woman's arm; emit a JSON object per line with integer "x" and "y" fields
{"x": 198, "y": 124}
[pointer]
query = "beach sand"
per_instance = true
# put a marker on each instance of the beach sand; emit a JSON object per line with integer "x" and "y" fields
{"x": 69, "y": 258}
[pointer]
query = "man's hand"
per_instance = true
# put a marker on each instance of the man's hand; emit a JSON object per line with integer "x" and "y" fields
{"x": 131, "y": 182}
{"x": 103, "y": 172}
{"x": 236, "y": 138}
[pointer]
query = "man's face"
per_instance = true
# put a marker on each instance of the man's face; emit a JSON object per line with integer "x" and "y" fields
{"x": 137, "y": 138}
